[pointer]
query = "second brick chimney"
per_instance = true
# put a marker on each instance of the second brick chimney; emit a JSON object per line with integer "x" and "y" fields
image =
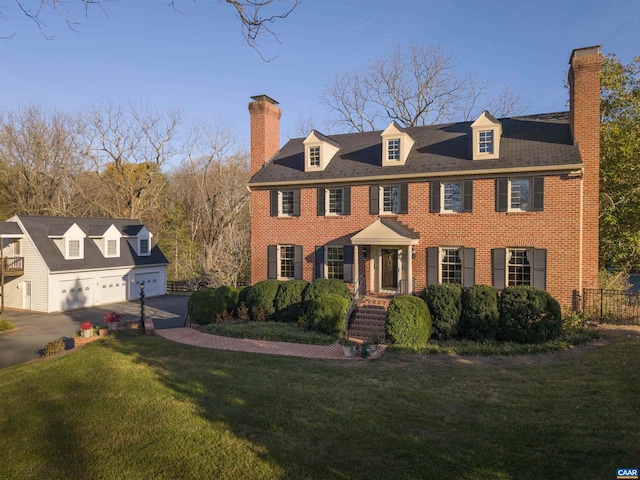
{"x": 265, "y": 130}
{"x": 584, "y": 118}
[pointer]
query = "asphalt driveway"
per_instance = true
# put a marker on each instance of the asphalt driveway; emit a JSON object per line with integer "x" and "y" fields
{"x": 35, "y": 330}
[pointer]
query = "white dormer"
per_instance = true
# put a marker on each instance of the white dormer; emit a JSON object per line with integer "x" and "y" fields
{"x": 396, "y": 145}
{"x": 72, "y": 244}
{"x": 486, "y": 131}
{"x": 144, "y": 237}
{"x": 318, "y": 151}
{"x": 111, "y": 248}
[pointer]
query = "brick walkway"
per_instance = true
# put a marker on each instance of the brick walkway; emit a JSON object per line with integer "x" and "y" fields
{"x": 195, "y": 338}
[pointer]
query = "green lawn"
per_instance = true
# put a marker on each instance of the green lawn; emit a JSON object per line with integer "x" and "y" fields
{"x": 142, "y": 407}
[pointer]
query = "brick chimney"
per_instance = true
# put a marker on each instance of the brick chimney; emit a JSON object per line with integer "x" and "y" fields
{"x": 584, "y": 119}
{"x": 265, "y": 130}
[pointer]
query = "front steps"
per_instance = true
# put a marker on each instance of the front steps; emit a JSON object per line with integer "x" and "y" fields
{"x": 369, "y": 318}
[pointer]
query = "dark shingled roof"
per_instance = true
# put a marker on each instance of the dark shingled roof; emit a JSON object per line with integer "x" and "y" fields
{"x": 39, "y": 228}
{"x": 10, "y": 228}
{"x": 534, "y": 141}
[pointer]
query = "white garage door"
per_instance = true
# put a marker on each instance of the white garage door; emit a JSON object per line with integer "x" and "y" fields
{"x": 151, "y": 284}
{"x": 112, "y": 289}
{"x": 76, "y": 293}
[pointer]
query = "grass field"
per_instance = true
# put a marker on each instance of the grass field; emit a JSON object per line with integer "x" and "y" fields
{"x": 142, "y": 407}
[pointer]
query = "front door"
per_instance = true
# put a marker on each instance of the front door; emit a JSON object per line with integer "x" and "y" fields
{"x": 26, "y": 295}
{"x": 389, "y": 269}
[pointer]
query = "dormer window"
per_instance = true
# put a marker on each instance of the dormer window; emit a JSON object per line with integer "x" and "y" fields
{"x": 144, "y": 246}
{"x": 73, "y": 249}
{"x": 393, "y": 149}
{"x": 396, "y": 145}
{"x": 112, "y": 248}
{"x": 314, "y": 156}
{"x": 486, "y": 132}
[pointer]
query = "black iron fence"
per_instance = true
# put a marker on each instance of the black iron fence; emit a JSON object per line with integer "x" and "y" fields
{"x": 620, "y": 307}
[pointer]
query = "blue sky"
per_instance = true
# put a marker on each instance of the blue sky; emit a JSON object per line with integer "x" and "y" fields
{"x": 198, "y": 60}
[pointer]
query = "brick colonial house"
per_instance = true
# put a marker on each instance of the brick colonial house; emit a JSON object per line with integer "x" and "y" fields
{"x": 496, "y": 201}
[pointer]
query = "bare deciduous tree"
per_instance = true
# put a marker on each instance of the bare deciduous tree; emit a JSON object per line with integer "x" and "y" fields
{"x": 417, "y": 86}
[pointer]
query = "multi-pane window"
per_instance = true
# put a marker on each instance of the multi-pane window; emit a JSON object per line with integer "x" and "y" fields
{"x": 336, "y": 200}
{"x": 452, "y": 198}
{"x": 74, "y": 248}
{"x": 111, "y": 248}
{"x": 286, "y": 199}
{"x": 390, "y": 199}
{"x": 393, "y": 149}
{"x": 519, "y": 271}
{"x": 287, "y": 261}
{"x": 16, "y": 247}
{"x": 144, "y": 246}
{"x": 485, "y": 142}
{"x": 335, "y": 263}
{"x": 451, "y": 265}
{"x": 519, "y": 194}
{"x": 314, "y": 156}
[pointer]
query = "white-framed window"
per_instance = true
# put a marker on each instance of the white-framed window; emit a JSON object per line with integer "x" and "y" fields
{"x": 450, "y": 265}
{"x": 485, "y": 141}
{"x": 520, "y": 194}
{"x": 112, "y": 248}
{"x": 393, "y": 149}
{"x": 144, "y": 246}
{"x": 314, "y": 156}
{"x": 73, "y": 249}
{"x": 451, "y": 200}
{"x": 518, "y": 267}
{"x": 287, "y": 262}
{"x": 16, "y": 247}
{"x": 335, "y": 262}
{"x": 286, "y": 202}
{"x": 390, "y": 199}
{"x": 335, "y": 201}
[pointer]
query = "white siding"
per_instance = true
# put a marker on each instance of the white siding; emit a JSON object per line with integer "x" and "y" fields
{"x": 36, "y": 272}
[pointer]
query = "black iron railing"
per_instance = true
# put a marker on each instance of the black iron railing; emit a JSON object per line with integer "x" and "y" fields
{"x": 621, "y": 307}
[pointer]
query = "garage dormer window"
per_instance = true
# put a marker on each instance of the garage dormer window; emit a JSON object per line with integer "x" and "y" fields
{"x": 144, "y": 246}
{"x": 486, "y": 132}
{"x": 396, "y": 145}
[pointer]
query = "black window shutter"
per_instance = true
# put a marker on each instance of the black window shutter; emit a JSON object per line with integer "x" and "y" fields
{"x": 296, "y": 202}
{"x": 539, "y": 268}
{"x": 297, "y": 261}
{"x": 374, "y": 199}
{"x": 346, "y": 201}
{"x": 272, "y": 255}
{"x": 432, "y": 265}
{"x": 434, "y": 202}
{"x": 467, "y": 196}
{"x": 499, "y": 265}
{"x": 538, "y": 193}
{"x": 404, "y": 198}
{"x": 320, "y": 261}
{"x": 347, "y": 257}
{"x": 468, "y": 267}
{"x": 321, "y": 207}
{"x": 502, "y": 194}
{"x": 274, "y": 202}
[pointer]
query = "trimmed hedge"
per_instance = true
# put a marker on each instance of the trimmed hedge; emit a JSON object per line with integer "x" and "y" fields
{"x": 288, "y": 301}
{"x": 528, "y": 315}
{"x": 445, "y": 305}
{"x": 242, "y": 295}
{"x": 206, "y": 303}
{"x": 479, "y": 318}
{"x": 262, "y": 295}
{"x": 324, "y": 286}
{"x": 326, "y": 314}
{"x": 408, "y": 321}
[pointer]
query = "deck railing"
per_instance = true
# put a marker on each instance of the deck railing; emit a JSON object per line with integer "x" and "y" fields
{"x": 12, "y": 265}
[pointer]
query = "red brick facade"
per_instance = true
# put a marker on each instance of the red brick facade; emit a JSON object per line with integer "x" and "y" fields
{"x": 567, "y": 227}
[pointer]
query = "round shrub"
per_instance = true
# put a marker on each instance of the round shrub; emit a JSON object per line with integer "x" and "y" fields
{"x": 324, "y": 286}
{"x": 262, "y": 296}
{"x": 206, "y": 303}
{"x": 528, "y": 315}
{"x": 408, "y": 321}
{"x": 326, "y": 314}
{"x": 288, "y": 301}
{"x": 445, "y": 304}
{"x": 479, "y": 318}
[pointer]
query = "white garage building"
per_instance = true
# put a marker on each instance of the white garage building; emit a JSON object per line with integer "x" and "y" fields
{"x": 52, "y": 264}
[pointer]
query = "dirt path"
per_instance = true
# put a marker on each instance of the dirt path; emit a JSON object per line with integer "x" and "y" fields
{"x": 610, "y": 334}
